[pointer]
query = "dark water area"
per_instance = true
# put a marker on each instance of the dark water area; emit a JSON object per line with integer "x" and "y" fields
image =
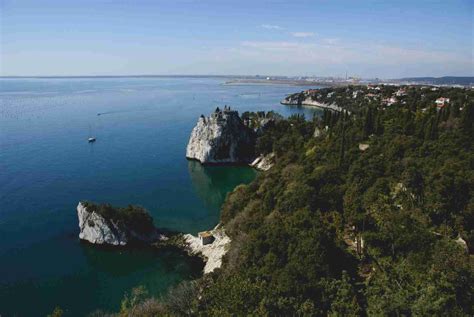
{"x": 47, "y": 166}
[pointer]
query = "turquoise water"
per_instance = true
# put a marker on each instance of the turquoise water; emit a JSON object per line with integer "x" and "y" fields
{"x": 47, "y": 166}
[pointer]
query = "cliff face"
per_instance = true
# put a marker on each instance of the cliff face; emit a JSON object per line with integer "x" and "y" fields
{"x": 296, "y": 99}
{"x": 221, "y": 138}
{"x": 306, "y": 98}
{"x": 96, "y": 229}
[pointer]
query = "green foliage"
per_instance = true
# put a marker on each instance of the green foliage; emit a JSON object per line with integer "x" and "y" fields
{"x": 404, "y": 199}
{"x": 133, "y": 217}
{"x": 57, "y": 312}
{"x": 408, "y": 196}
{"x": 133, "y": 299}
{"x": 345, "y": 302}
{"x": 180, "y": 301}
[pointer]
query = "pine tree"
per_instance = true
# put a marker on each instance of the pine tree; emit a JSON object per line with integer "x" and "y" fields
{"x": 467, "y": 118}
{"x": 343, "y": 140}
{"x": 369, "y": 122}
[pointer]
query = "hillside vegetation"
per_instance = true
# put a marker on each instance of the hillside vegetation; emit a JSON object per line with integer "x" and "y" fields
{"x": 371, "y": 215}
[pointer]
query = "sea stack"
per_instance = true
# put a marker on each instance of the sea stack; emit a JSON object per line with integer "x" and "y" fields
{"x": 106, "y": 225}
{"x": 221, "y": 138}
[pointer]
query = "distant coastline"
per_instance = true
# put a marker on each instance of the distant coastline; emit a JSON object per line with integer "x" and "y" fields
{"x": 291, "y": 82}
{"x": 447, "y": 81}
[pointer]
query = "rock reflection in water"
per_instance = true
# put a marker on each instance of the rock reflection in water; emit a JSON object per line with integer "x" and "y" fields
{"x": 212, "y": 183}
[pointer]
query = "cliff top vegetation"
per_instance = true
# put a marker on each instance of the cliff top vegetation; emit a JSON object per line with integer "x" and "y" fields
{"x": 132, "y": 217}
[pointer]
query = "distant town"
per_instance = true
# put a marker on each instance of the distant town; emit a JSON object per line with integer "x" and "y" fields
{"x": 446, "y": 81}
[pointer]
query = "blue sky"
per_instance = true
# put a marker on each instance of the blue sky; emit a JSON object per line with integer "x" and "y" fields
{"x": 384, "y": 39}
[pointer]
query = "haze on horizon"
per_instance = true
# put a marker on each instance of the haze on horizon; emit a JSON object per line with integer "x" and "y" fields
{"x": 386, "y": 39}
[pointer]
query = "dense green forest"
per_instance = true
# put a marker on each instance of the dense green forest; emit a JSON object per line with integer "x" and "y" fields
{"x": 364, "y": 214}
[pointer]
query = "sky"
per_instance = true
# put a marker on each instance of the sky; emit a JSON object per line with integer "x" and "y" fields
{"x": 385, "y": 39}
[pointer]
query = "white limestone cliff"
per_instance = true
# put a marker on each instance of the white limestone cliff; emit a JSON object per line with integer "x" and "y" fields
{"x": 96, "y": 229}
{"x": 221, "y": 138}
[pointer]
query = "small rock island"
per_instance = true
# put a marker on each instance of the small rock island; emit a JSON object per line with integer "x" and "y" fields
{"x": 107, "y": 225}
{"x": 103, "y": 224}
{"x": 221, "y": 138}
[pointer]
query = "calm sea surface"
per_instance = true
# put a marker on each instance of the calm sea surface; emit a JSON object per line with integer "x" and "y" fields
{"x": 47, "y": 166}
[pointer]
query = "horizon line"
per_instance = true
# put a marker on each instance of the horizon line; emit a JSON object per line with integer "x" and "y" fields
{"x": 209, "y": 75}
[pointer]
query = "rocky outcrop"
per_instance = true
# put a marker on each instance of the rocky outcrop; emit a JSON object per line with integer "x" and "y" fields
{"x": 462, "y": 243}
{"x": 213, "y": 252}
{"x": 317, "y": 132}
{"x": 221, "y": 138}
{"x": 97, "y": 229}
{"x": 306, "y": 98}
{"x": 264, "y": 162}
{"x": 363, "y": 146}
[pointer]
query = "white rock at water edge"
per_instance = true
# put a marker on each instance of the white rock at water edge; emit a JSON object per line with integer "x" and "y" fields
{"x": 213, "y": 252}
{"x": 97, "y": 230}
{"x": 221, "y": 138}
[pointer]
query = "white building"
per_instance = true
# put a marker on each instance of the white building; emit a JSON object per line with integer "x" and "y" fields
{"x": 441, "y": 102}
{"x": 206, "y": 237}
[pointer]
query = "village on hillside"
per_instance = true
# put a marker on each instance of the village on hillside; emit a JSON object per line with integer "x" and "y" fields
{"x": 349, "y": 98}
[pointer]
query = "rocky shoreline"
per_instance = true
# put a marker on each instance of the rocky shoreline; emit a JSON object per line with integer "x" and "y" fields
{"x": 221, "y": 138}
{"x": 313, "y": 103}
{"x": 305, "y": 99}
{"x": 98, "y": 229}
{"x": 212, "y": 253}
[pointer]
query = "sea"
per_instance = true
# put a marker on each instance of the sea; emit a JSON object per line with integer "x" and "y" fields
{"x": 142, "y": 126}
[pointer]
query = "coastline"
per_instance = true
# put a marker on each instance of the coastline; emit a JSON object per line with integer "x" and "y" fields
{"x": 173, "y": 212}
{"x": 211, "y": 253}
{"x": 314, "y": 104}
{"x": 288, "y": 82}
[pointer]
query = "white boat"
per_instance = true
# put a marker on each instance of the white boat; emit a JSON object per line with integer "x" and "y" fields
{"x": 91, "y": 138}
